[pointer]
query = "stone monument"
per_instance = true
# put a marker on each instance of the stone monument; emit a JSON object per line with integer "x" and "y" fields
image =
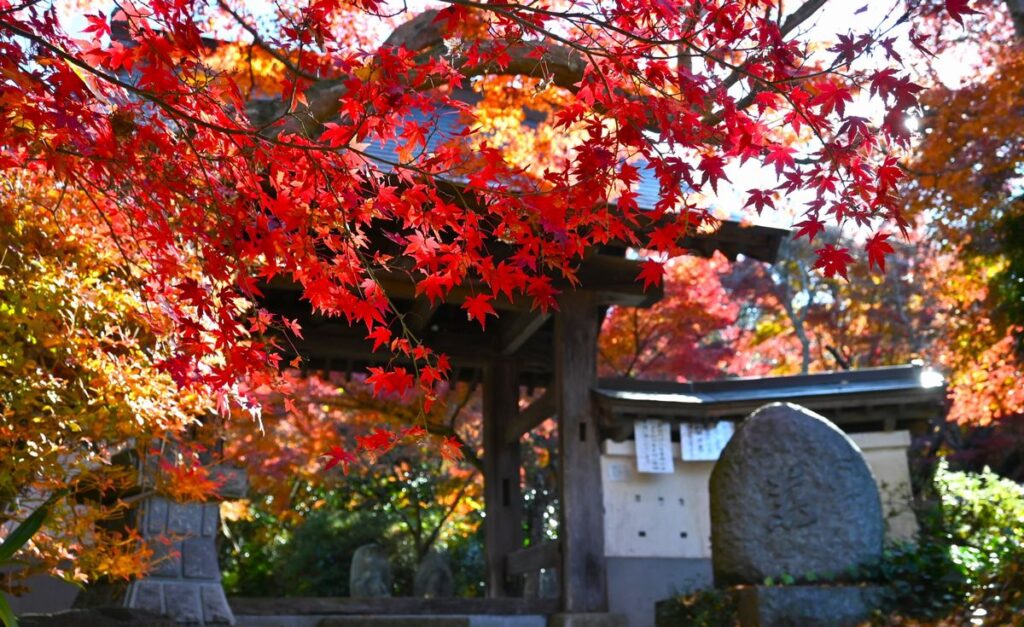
{"x": 370, "y": 575}
{"x": 434, "y": 577}
{"x": 792, "y": 497}
{"x": 185, "y": 582}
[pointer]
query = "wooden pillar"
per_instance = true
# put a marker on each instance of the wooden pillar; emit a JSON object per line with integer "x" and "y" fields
{"x": 503, "y": 501}
{"x": 581, "y": 531}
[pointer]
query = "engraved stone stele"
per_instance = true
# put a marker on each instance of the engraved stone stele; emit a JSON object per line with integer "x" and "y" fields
{"x": 370, "y": 575}
{"x": 434, "y": 577}
{"x": 792, "y": 495}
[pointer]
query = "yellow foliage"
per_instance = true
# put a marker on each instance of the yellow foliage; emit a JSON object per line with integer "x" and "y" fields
{"x": 78, "y": 381}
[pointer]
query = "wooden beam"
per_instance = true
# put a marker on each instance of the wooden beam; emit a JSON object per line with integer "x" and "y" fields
{"x": 472, "y": 350}
{"x": 518, "y": 329}
{"x": 503, "y": 500}
{"x": 543, "y": 555}
{"x": 615, "y": 281}
{"x": 398, "y": 285}
{"x": 581, "y": 531}
{"x": 535, "y": 413}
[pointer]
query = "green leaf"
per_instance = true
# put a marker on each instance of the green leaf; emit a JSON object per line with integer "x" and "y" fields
{"x": 28, "y": 528}
{"x": 22, "y": 534}
{"x": 6, "y": 615}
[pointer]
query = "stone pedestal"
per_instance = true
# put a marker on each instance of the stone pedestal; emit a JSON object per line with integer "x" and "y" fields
{"x": 806, "y": 606}
{"x": 184, "y": 583}
{"x": 587, "y": 619}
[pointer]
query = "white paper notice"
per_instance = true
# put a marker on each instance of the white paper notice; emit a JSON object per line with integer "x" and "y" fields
{"x": 653, "y": 446}
{"x": 704, "y": 442}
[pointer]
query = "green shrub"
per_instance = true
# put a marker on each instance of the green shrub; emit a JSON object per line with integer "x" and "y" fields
{"x": 317, "y": 559}
{"x": 984, "y": 521}
{"x": 984, "y": 516}
{"x": 966, "y": 565}
{"x": 308, "y": 551}
{"x": 249, "y": 554}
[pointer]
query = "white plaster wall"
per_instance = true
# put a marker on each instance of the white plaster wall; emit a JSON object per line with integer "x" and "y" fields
{"x": 654, "y": 515}
{"x": 886, "y": 454}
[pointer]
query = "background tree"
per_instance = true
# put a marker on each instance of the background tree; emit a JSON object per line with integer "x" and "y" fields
{"x": 682, "y": 336}
{"x": 79, "y": 382}
{"x": 965, "y": 185}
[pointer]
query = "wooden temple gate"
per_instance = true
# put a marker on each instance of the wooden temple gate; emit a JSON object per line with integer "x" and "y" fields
{"x": 556, "y": 351}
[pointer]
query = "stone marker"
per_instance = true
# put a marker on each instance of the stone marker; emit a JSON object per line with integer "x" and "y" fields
{"x": 370, "y": 575}
{"x": 792, "y": 495}
{"x": 434, "y": 577}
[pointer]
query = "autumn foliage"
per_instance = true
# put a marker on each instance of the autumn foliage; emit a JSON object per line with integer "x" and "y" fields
{"x": 79, "y": 378}
{"x": 164, "y": 163}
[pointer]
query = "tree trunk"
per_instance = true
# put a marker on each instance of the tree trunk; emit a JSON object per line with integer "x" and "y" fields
{"x": 1016, "y": 8}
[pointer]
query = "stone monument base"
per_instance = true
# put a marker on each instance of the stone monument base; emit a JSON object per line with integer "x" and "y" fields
{"x": 587, "y": 619}
{"x": 806, "y": 605}
{"x": 96, "y": 617}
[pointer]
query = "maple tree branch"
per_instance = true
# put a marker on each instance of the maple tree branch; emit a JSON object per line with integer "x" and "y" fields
{"x": 258, "y": 41}
{"x": 562, "y": 66}
{"x": 801, "y": 15}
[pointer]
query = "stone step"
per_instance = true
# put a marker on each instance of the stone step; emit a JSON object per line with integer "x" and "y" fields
{"x": 390, "y": 621}
{"x": 397, "y": 621}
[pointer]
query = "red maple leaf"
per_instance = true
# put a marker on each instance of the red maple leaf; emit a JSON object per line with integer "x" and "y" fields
{"x": 337, "y": 455}
{"x": 888, "y": 173}
{"x": 877, "y": 249}
{"x": 377, "y": 443}
{"x": 380, "y": 335}
{"x": 809, "y": 227}
{"x": 759, "y": 199}
{"x": 713, "y": 168}
{"x": 781, "y": 156}
{"x": 958, "y": 8}
{"x": 434, "y": 286}
{"x": 414, "y": 432}
{"x": 833, "y": 260}
{"x": 832, "y": 97}
{"x": 652, "y": 273}
{"x": 396, "y": 381}
{"x": 542, "y": 292}
{"x": 479, "y": 307}
{"x": 451, "y": 449}
{"x": 664, "y": 238}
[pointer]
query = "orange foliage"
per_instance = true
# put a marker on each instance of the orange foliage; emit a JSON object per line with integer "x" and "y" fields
{"x": 966, "y": 181}
{"x": 684, "y": 336}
